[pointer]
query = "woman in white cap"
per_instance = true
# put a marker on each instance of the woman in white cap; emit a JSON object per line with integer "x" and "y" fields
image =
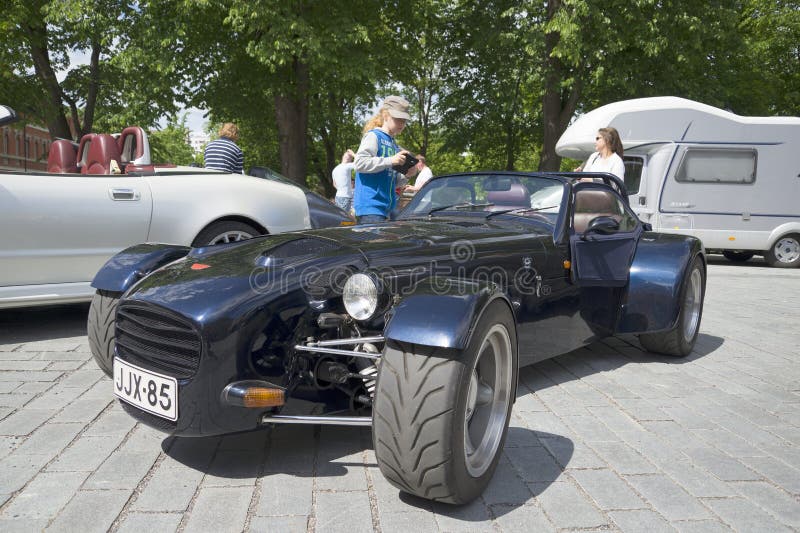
{"x": 378, "y": 152}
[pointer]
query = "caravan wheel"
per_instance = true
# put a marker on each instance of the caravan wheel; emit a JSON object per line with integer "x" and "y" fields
{"x": 785, "y": 253}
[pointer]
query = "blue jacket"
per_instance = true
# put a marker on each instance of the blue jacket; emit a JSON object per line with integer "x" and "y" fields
{"x": 374, "y": 193}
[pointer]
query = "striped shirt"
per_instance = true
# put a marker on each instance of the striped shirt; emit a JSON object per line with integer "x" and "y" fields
{"x": 223, "y": 154}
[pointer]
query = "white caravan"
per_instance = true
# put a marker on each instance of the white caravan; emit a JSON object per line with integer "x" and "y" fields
{"x": 732, "y": 181}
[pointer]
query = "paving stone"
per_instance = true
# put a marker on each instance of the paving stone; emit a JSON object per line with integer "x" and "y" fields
{"x": 65, "y": 365}
{"x": 139, "y": 522}
{"x": 287, "y": 524}
{"x": 534, "y": 464}
{"x": 233, "y": 468}
{"x": 57, "y": 355}
{"x": 345, "y": 473}
{"x": 623, "y": 459}
{"x": 8, "y": 386}
{"x": 667, "y": 498}
{"x": 640, "y": 520}
{"x": 22, "y": 525}
{"x": 519, "y": 519}
{"x": 470, "y": 517}
{"x": 82, "y": 411}
{"x": 7, "y": 444}
{"x": 346, "y": 512}
{"x": 45, "y": 495}
{"x": 607, "y": 489}
{"x": 34, "y": 387}
{"x": 86, "y": 454}
{"x": 776, "y": 502}
{"x": 25, "y": 422}
{"x": 49, "y": 439}
{"x": 697, "y": 481}
{"x": 220, "y": 509}
{"x": 103, "y": 506}
{"x": 9, "y": 347}
{"x": 123, "y": 469}
{"x": 22, "y": 365}
{"x": 580, "y": 513}
{"x": 52, "y": 345}
{"x": 723, "y": 466}
{"x": 83, "y": 379}
{"x": 285, "y": 494}
{"x": 743, "y": 515}
{"x": 15, "y": 401}
{"x": 170, "y": 489}
{"x": 506, "y": 487}
{"x": 55, "y": 398}
{"x": 546, "y": 425}
{"x": 18, "y": 470}
{"x": 394, "y": 522}
{"x": 776, "y": 471}
{"x": 701, "y": 526}
{"x": 111, "y": 423}
{"x": 43, "y": 375}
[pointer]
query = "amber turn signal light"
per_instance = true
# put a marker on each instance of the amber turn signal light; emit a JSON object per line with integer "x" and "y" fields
{"x": 253, "y": 394}
{"x": 567, "y": 264}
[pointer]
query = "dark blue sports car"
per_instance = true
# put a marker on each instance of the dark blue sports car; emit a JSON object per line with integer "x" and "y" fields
{"x": 416, "y": 327}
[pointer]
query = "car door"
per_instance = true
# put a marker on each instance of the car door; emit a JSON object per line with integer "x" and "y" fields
{"x": 601, "y": 258}
{"x": 59, "y": 228}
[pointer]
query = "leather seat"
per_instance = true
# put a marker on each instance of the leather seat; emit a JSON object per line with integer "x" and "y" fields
{"x": 62, "y": 158}
{"x": 590, "y": 204}
{"x": 517, "y": 196}
{"x": 102, "y": 151}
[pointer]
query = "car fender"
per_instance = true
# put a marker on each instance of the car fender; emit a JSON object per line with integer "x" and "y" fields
{"x": 660, "y": 264}
{"x": 442, "y": 312}
{"x": 179, "y": 217}
{"x": 132, "y": 264}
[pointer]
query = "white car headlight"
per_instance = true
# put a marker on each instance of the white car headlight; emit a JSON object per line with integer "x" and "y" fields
{"x": 360, "y": 296}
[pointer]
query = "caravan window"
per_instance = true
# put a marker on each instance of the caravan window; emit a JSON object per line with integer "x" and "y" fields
{"x": 633, "y": 173}
{"x": 717, "y": 165}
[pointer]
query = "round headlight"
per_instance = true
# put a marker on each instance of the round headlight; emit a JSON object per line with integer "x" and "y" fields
{"x": 360, "y": 296}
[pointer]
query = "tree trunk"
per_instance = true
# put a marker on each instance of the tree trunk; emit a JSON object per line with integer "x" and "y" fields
{"x": 558, "y": 105}
{"x": 291, "y": 115}
{"x": 94, "y": 85}
{"x": 56, "y": 120}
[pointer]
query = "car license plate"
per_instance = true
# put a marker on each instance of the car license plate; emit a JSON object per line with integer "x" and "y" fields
{"x": 146, "y": 390}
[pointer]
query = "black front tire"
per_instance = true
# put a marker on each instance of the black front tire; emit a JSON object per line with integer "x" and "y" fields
{"x": 100, "y": 327}
{"x": 441, "y": 416}
{"x": 679, "y": 341}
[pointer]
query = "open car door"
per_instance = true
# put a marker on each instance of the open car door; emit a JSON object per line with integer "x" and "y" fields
{"x": 603, "y": 236}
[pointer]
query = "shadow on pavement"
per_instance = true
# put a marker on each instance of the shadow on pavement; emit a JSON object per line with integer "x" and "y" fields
{"x": 32, "y": 324}
{"x": 755, "y": 262}
{"x": 531, "y": 461}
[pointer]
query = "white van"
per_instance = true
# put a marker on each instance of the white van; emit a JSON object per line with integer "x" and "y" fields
{"x": 732, "y": 181}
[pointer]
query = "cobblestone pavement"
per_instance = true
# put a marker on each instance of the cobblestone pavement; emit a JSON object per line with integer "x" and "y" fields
{"x": 604, "y": 438}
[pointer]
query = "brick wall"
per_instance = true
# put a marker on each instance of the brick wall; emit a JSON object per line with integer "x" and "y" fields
{"x": 24, "y": 148}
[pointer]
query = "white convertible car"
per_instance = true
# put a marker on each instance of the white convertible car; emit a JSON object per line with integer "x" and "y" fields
{"x": 58, "y": 228}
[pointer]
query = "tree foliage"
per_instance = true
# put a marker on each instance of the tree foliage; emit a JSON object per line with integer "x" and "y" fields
{"x": 493, "y": 83}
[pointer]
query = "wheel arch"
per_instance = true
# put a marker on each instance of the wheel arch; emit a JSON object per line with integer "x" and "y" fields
{"x": 789, "y": 228}
{"x": 660, "y": 264}
{"x": 443, "y": 312}
{"x": 234, "y": 218}
{"x": 132, "y": 264}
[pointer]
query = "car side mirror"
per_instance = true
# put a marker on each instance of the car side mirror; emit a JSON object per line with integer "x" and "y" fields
{"x": 7, "y": 115}
{"x": 603, "y": 225}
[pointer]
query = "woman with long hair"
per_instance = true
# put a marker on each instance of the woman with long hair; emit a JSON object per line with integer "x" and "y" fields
{"x": 375, "y": 196}
{"x": 608, "y": 154}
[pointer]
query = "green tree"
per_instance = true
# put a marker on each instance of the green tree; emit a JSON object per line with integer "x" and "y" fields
{"x": 171, "y": 144}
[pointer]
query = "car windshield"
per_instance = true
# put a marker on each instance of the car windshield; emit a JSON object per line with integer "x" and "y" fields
{"x": 518, "y": 195}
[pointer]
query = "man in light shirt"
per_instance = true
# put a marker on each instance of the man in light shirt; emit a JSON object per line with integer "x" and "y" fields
{"x": 342, "y": 180}
{"x": 424, "y": 173}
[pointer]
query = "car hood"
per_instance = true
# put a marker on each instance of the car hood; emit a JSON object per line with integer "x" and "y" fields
{"x": 245, "y": 273}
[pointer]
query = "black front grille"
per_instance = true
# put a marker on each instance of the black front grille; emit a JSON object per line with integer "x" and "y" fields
{"x": 157, "y": 339}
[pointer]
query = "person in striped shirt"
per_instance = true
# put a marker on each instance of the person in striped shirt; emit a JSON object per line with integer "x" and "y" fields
{"x": 223, "y": 153}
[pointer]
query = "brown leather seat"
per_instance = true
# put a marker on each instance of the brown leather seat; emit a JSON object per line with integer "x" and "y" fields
{"x": 62, "y": 158}
{"x": 593, "y": 203}
{"x": 517, "y": 196}
{"x": 102, "y": 151}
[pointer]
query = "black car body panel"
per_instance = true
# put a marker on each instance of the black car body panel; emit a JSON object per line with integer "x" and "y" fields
{"x": 256, "y": 309}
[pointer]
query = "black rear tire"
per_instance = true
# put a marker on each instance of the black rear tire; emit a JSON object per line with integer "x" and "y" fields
{"x": 441, "y": 416}
{"x": 224, "y": 231}
{"x": 679, "y": 341}
{"x": 100, "y": 327}
{"x": 737, "y": 256}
